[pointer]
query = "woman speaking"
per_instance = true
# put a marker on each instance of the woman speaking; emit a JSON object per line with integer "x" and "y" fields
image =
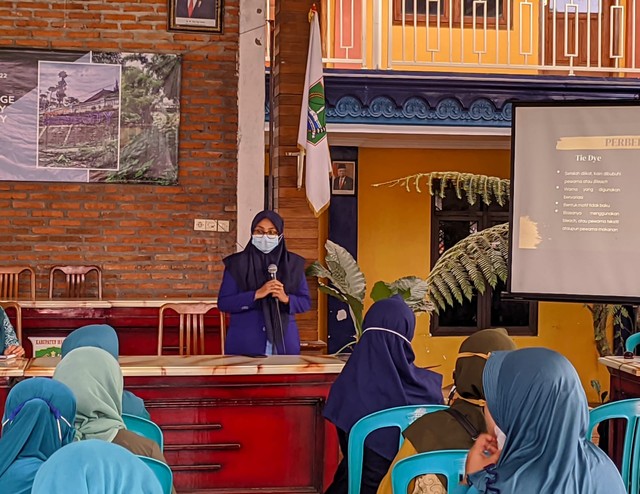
{"x": 262, "y": 288}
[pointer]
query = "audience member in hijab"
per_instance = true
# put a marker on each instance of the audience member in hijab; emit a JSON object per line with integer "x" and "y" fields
{"x": 535, "y": 397}
{"x": 9, "y": 344}
{"x": 95, "y": 467}
{"x": 457, "y": 427}
{"x": 37, "y": 421}
{"x": 105, "y": 337}
{"x": 379, "y": 374}
{"x": 262, "y": 309}
{"x": 96, "y": 379}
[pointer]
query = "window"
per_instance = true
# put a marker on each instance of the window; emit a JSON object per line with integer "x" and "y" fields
{"x": 453, "y": 219}
{"x": 482, "y": 8}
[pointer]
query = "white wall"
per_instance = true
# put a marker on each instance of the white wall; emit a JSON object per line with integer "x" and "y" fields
{"x": 250, "y": 115}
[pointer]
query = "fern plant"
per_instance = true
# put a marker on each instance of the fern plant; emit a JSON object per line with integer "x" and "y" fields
{"x": 488, "y": 188}
{"x": 473, "y": 263}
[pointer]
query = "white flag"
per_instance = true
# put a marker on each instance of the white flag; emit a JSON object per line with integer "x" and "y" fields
{"x": 312, "y": 132}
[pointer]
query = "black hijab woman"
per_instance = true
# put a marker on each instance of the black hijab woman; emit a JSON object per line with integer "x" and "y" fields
{"x": 262, "y": 308}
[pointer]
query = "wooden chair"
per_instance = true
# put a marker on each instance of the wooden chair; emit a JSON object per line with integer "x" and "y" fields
{"x": 17, "y": 325}
{"x": 223, "y": 331}
{"x": 76, "y": 280}
{"x": 10, "y": 282}
{"x": 191, "y": 326}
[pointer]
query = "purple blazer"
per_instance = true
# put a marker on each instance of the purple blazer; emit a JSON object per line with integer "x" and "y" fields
{"x": 246, "y": 334}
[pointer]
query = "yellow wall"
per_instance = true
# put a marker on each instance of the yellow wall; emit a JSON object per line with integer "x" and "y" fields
{"x": 393, "y": 241}
{"x": 452, "y": 46}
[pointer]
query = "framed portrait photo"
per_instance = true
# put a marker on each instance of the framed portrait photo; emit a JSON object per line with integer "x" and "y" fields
{"x": 343, "y": 181}
{"x": 196, "y": 16}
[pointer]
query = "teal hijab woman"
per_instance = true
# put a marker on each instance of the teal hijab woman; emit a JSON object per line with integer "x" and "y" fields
{"x": 536, "y": 399}
{"x": 95, "y": 467}
{"x": 37, "y": 421}
{"x": 105, "y": 337}
{"x": 9, "y": 344}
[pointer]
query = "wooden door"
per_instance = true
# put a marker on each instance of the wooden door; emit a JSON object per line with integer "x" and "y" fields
{"x": 591, "y": 47}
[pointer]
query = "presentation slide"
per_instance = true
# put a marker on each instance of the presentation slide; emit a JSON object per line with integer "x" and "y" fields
{"x": 575, "y": 222}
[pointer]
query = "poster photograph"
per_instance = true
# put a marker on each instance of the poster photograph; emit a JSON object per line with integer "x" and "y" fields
{"x": 89, "y": 116}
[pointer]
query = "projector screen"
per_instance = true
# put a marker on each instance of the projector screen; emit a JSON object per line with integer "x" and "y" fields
{"x": 575, "y": 202}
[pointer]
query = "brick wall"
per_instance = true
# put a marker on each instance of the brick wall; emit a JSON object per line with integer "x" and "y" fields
{"x": 142, "y": 236}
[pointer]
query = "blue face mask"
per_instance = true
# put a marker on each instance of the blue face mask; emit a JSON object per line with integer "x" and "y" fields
{"x": 265, "y": 243}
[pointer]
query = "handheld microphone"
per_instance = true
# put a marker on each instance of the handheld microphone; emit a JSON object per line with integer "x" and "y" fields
{"x": 272, "y": 270}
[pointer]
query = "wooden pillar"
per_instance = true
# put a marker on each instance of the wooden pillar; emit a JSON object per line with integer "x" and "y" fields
{"x": 304, "y": 233}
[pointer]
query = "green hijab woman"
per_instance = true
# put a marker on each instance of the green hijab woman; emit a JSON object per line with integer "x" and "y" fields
{"x": 446, "y": 430}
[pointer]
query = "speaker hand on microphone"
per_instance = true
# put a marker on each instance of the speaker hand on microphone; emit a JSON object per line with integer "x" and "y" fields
{"x": 273, "y": 288}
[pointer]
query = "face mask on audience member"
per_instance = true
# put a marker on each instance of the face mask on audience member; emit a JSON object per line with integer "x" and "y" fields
{"x": 265, "y": 243}
{"x": 500, "y": 437}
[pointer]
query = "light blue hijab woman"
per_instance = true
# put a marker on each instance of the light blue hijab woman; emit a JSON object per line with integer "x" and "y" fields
{"x": 535, "y": 397}
{"x": 95, "y": 467}
{"x": 36, "y": 423}
{"x": 105, "y": 337}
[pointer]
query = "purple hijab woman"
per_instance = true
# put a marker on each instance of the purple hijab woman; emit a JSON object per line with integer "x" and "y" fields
{"x": 379, "y": 374}
{"x": 262, "y": 288}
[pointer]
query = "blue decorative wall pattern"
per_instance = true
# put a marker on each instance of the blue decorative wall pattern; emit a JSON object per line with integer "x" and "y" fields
{"x": 471, "y": 100}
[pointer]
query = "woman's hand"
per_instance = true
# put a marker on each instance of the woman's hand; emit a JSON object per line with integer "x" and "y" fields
{"x": 484, "y": 452}
{"x": 16, "y": 350}
{"x": 280, "y": 294}
{"x": 273, "y": 288}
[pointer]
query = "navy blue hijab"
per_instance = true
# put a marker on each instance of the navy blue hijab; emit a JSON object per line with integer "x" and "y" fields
{"x": 249, "y": 270}
{"x": 380, "y": 374}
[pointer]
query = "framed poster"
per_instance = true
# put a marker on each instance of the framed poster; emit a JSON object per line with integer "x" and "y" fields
{"x": 89, "y": 116}
{"x": 344, "y": 178}
{"x": 195, "y": 15}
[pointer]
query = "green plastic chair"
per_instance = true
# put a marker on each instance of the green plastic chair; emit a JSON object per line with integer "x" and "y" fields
{"x": 400, "y": 417}
{"x": 161, "y": 471}
{"x": 144, "y": 427}
{"x": 632, "y": 342}
{"x": 449, "y": 463}
{"x": 629, "y": 410}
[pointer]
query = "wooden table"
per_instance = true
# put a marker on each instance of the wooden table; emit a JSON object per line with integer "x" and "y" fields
{"x": 233, "y": 424}
{"x": 624, "y": 377}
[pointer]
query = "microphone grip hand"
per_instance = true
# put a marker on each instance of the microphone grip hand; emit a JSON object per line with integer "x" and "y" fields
{"x": 271, "y": 287}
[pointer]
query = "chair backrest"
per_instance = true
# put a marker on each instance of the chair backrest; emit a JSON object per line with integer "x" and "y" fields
{"x": 223, "y": 331}
{"x": 76, "y": 280}
{"x": 10, "y": 282}
{"x": 632, "y": 342}
{"x": 144, "y": 427}
{"x": 450, "y": 463}
{"x": 161, "y": 471}
{"x": 400, "y": 417}
{"x": 629, "y": 410}
{"x": 191, "y": 326}
{"x": 18, "y": 319}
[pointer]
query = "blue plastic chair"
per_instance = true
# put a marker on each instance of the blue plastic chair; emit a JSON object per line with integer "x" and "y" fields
{"x": 400, "y": 417}
{"x": 449, "y": 463}
{"x": 632, "y": 342}
{"x": 629, "y": 410}
{"x": 144, "y": 427}
{"x": 161, "y": 471}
